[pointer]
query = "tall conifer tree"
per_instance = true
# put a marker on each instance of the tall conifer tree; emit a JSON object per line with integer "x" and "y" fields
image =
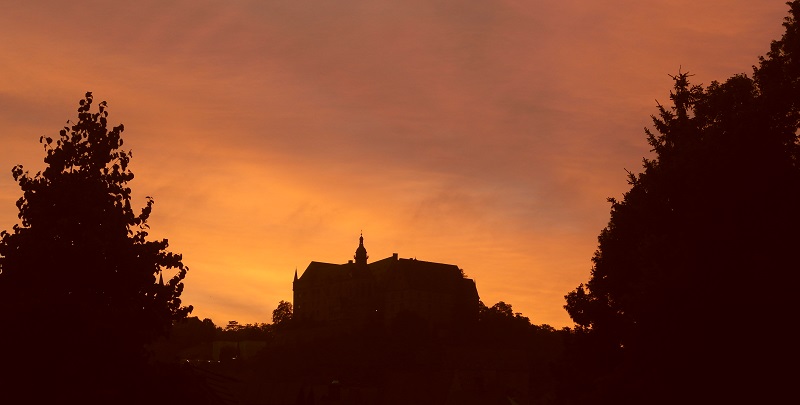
{"x": 688, "y": 282}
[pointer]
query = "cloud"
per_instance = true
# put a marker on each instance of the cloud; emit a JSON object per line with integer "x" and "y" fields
{"x": 485, "y": 134}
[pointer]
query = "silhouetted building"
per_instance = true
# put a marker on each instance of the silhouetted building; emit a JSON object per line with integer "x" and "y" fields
{"x": 384, "y": 292}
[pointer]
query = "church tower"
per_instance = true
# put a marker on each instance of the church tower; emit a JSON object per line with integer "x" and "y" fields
{"x": 361, "y": 252}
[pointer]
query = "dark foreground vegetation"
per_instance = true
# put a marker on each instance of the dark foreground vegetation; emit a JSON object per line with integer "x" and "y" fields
{"x": 82, "y": 289}
{"x": 500, "y": 358}
{"x": 690, "y": 299}
{"x": 687, "y": 298}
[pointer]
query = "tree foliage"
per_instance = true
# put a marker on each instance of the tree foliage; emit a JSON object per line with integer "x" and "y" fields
{"x": 282, "y": 314}
{"x": 704, "y": 241}
{"x": 501, "y": 322}
{"x": 79, "y": 276}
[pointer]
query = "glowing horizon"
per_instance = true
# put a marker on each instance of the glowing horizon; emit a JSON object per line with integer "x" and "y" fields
{"x": 484, "y": 135}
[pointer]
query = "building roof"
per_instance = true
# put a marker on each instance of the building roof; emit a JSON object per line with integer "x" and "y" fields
{"x": 401, "y": 273}
{"x": 422, "y": 275}
{"x": 392, "y": 272}
{"x": 325, "y": 273}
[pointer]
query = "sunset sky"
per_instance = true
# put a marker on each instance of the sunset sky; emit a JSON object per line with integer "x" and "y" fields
{"x": 486, "y": 134}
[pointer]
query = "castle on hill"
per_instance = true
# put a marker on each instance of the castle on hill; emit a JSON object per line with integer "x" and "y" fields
{"x": 384, "y": 292}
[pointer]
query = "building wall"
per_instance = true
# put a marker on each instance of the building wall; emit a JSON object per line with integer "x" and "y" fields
{"x": 354, "y": 301}
{"x": 335, "y": 302}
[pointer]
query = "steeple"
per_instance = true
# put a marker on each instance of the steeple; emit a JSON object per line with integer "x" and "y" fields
{"x": 295, "y": 274}
{"x": 361, "y": 252}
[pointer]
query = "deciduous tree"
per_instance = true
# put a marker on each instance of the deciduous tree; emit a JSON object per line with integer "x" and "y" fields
{"x": 80, "y": 280}
{"x": 282, "y": 315}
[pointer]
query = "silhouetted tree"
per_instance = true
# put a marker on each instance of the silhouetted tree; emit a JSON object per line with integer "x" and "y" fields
{"x": 80, "y": 281}
{"x": 500, "y": 318}
{"x": 233, "y": 326}
{"x": 702, "y": 244}
{"x": 235, "y": 331}
{"x": 499, "y": 311}
{"x": 282, "y": 315}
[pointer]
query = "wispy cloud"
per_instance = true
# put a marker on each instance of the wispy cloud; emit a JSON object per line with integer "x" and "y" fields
{"x": 485, "y": 134}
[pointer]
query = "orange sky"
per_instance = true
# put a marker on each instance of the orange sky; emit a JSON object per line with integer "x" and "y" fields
{"x": 485, "y": 134}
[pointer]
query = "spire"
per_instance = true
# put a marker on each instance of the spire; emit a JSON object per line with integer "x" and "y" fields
{"x": 361, "y": 252}
{"x": 160, "y": 279}
{"x": 295, "y": 274}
